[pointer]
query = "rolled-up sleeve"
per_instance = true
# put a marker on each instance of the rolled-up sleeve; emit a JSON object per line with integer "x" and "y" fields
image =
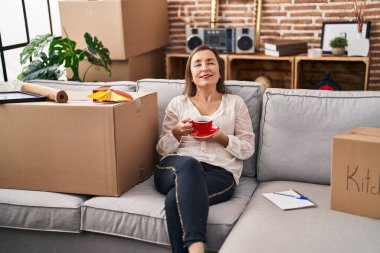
{"x": 242, "y": 144}
{"x": 167, "y": 143}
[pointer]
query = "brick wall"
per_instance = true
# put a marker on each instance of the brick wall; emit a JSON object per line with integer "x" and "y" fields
{"x": 290, "y": 19}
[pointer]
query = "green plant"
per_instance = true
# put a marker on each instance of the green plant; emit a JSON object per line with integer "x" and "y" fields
{"x": 339, "y": 42}
{"x": 48, "y": 62}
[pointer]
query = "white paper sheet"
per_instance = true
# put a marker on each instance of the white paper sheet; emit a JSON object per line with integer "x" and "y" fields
{"x": 288, "y": 202}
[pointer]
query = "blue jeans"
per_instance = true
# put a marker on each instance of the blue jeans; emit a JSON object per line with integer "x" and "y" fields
{"x": 190, "y": 187}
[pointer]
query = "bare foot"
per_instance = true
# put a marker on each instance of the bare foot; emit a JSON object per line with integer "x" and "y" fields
{"x": 197, "y": 247}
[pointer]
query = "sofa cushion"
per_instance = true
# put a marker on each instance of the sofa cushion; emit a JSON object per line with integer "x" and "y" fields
{"x": 140, "y": 214}
{"x": 264, "y": 227}
{"x": 37, "y": 210}
{"x": 251, "y": 92}
{"x": 297, "y": 128}
{"x": 127, "y": 86}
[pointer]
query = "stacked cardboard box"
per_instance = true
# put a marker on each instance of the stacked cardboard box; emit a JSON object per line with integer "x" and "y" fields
{"x": 146, "y": 65}
{"x": 134, "y": 31}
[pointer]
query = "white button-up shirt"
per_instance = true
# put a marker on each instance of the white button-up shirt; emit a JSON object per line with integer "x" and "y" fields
{"x": 231, "y": 117}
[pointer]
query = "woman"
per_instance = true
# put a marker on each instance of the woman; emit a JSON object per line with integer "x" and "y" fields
{"x": 196, "y": 173}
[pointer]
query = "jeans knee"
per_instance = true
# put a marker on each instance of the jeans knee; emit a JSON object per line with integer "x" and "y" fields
{"x": 164, "y": 180}
{"x": 188, "y": 163}
{"x": 188, "y": 159}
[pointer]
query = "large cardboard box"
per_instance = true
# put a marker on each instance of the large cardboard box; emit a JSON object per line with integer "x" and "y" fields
{"x": 355, "y": 175}
{"x": 147, "y": 65}
{"x": 126, "y": 27}
{"x": 79, "y": 147}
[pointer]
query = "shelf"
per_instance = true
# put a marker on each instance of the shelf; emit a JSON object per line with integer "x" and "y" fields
{"x": 176, "y": 65}
{"x": 291, "y": 72}
{"x": 248, "y": 67}
{"x": 351, "y": 73}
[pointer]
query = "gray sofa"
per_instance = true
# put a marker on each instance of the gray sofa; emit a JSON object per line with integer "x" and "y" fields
{"x": 294, "y": 130}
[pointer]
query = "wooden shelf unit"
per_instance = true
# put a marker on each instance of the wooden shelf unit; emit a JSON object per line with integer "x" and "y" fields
{"x": 248, "y": 67}
{"x": 291, "y": 72}
{"x": 351, "y": 73}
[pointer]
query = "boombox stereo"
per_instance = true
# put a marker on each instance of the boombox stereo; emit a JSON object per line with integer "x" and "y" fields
{"x": 220, "y": 38}
{"x": 225, "y": 40}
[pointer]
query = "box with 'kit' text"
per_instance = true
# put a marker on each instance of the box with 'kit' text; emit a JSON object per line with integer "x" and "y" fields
{"x": 355, "y": 173}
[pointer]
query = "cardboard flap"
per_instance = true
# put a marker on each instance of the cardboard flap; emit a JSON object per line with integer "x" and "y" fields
{"x": 368, "y": 131}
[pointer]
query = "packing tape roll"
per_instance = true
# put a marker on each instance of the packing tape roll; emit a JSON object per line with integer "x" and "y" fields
{"x": 52, "y": 94}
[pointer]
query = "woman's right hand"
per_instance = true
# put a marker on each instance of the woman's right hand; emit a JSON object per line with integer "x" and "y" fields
{"x": 183, "y": 128}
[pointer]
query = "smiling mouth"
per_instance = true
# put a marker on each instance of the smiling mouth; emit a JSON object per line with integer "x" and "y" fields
{"x": 206, "y": 76}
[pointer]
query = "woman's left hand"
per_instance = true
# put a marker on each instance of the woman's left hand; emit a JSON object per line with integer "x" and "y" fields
{"x": 219, "y": 137}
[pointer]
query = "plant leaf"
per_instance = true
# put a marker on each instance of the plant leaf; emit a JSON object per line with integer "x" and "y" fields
{"x": 44, "y": 58}
{"x": 38, "y": 71}
{"x": 68, "y": 55}
{"x": 35, "y": 47}
{"x": 97, "y": 54}
{"x": 65, "y": 49}
{"x": 43, "y": 68}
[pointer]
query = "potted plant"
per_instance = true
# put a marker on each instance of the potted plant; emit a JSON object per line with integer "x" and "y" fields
{"x": 50, "y": 63}
{"x": 338, "y": 45}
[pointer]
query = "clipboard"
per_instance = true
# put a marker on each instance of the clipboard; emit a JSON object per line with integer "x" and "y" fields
{"x": 19, "y": 97}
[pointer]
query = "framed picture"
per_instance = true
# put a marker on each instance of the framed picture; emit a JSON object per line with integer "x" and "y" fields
{"x": 19, "y": 97}
{"x": 349, "y": 30}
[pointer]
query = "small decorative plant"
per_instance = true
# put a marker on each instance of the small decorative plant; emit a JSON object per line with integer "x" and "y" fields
{"x": 49, "y": 63}
{"x": 339, "y": 42}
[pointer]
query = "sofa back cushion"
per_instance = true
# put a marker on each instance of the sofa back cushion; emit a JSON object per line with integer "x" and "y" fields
{"x": 127, "y": 86}
{"x": 251, "y": 92}
{"x": 297, "y": 128}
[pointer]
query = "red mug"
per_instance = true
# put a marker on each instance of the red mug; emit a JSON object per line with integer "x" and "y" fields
{"x": 202, "y": 124}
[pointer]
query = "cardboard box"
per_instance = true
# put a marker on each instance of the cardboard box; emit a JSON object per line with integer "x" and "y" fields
{"x": 126, "y": 27}
{"x": 147, "y": 65}
{"x": 79, "y": 147}
{"x": 355, "y": 174}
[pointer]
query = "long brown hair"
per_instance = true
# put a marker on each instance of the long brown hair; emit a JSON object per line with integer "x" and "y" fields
{"x": 190, "y": 88}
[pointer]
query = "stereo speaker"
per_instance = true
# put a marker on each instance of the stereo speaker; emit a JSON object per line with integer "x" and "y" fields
{"x": 194, "y": 38}
{"x": 244, "y": 41}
